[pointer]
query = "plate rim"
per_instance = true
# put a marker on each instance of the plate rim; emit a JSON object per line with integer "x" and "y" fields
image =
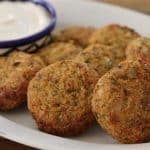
{"x": 8, "y": 129}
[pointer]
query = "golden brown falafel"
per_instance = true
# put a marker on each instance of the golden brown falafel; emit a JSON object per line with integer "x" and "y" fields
{"x": 121, "y": 102}
{"x": 139, "y": 46}
{"x": 16, "y": 70}
{"x": 98, "y": 57}
{"x": 59, "y": 98}
{"x": 80, "y": 35}
{"x": 58, "y": 51}
{"x": 116, "y": 36}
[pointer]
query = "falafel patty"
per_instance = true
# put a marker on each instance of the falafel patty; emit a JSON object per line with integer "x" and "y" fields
{"x": 121, "y": 102}
{"x": 16, "y": 70}
{"x": 58, "y": 51}
{"x": 80, "y": 35}
{"x": 139, "y": 46}
{"x": 59, "y": 98}
{"x": 116, "y": 36}
{"x": 98, "y": 57}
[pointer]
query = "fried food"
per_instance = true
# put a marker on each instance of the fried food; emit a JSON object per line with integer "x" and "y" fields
{"x": 116, "y": 36}
{"x": 16, "y": 70}
{"x": 98, "y": 57}
{"x": 58, "y": 51}
{"x": 139, "y": 46}
{"x": 121, "y": 102}
{"x": 80, "y": 35}
{"x": 59, "y": 98}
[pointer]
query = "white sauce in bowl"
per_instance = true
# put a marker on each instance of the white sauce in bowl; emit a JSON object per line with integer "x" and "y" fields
{"x": 21, "y": 19}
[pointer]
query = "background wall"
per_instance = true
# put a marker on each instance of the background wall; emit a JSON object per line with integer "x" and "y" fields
{"x": 140, "y": 5}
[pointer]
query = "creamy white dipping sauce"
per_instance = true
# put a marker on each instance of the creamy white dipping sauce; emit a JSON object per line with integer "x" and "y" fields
{"x": 21, "y": 19}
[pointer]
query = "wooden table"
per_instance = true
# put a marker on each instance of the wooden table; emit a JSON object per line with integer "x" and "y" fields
{"x": 9, "y": 145}
{"x": 141, "y": 5}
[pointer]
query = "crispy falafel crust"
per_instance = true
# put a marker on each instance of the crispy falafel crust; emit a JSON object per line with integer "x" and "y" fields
{"x": 58, "y": 51}
{"x": 98, "y": 57}
{"x": 16, "y": 70}
{"x": 59, "y": 98}
{"x": 116, "y": 36}
{"x": 138, "y": 47}
{"x": 80, "y": 35}
{"x": 121, "y": 102}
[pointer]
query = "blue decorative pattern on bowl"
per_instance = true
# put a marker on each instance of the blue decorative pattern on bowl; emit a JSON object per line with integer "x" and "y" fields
{"x": 36, "y": 41}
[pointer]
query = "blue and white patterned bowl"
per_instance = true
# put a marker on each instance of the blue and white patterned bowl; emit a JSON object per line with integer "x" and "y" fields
{"x": 36, "y": 41}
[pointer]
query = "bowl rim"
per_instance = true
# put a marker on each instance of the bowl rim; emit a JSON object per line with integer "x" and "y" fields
{"x": 37, "y": 36}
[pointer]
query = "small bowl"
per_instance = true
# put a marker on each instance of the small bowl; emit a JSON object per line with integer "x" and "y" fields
{"x": 33, "y": 42}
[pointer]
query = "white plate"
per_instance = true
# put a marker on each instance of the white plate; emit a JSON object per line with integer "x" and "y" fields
{"x": 18, "y": 125}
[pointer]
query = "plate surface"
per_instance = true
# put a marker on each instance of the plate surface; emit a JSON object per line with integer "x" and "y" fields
{"x": 19, "y": 126}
